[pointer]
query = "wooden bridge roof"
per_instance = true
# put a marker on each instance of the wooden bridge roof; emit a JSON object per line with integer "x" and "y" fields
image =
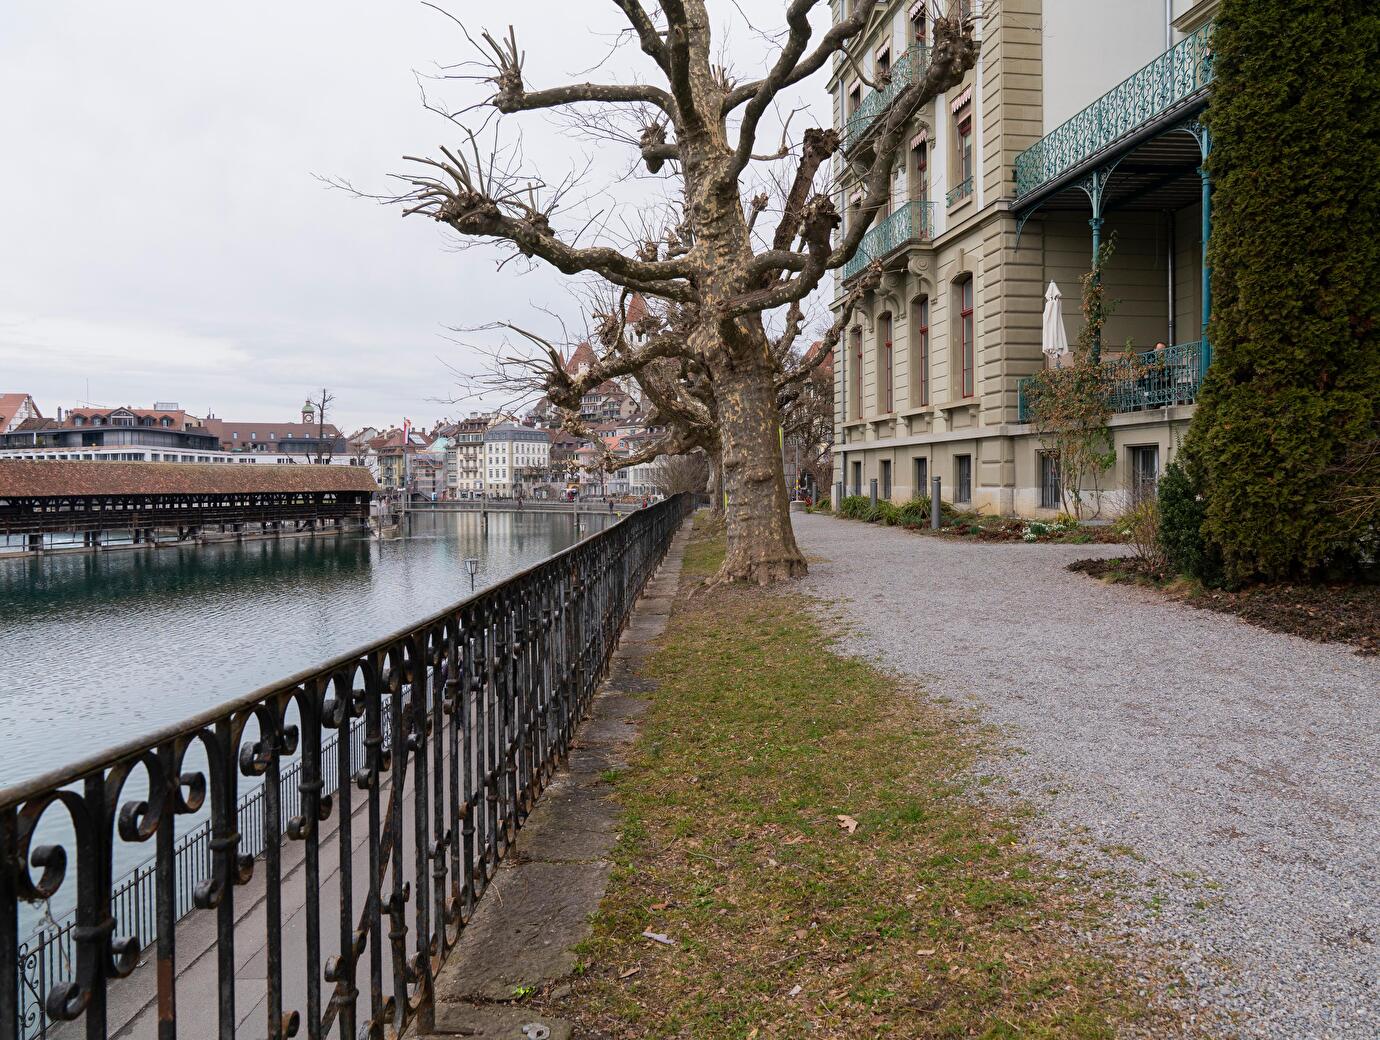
{"x": 59, "y": 479}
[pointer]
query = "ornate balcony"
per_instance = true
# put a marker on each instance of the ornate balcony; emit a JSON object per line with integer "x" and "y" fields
{"x": 961, "y": 190}
{"x": 907, "y": 70}
{"x": 910, "y": 223}
{"x": 1159, "y": 379}
{"x": 1178, "y": 76}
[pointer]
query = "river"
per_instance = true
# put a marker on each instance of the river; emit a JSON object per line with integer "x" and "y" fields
{"x": 97, "y": 649}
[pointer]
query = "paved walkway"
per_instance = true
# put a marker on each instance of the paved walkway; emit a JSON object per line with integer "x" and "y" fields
{"x": 1234, "y": 772}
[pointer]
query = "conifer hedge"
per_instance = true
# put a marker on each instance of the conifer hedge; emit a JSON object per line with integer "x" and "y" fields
{"x": 1295, "y": 255}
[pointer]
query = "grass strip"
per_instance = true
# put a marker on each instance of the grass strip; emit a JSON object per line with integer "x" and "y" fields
{"x": 806, "y": 836}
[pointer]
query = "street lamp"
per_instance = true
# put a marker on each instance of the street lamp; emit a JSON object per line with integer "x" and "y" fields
{"x": 471, "y": 565}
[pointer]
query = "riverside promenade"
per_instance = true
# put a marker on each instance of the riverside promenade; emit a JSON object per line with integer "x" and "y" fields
{"x": 377, "y": 852}
{"x": 1227, "y": 774}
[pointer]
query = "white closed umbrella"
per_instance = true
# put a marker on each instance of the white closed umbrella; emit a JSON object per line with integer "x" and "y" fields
{"x": 1054, "y": 341}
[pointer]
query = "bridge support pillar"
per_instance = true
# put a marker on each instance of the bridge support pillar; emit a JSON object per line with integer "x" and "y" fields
{"x": 35, "y": 543}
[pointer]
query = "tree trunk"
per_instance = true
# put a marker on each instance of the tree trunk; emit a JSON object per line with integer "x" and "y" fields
{"x": 716, "y": 486}
{"x": 761, "y": 544}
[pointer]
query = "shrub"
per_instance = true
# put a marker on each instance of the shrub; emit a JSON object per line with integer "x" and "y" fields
{"x": 1295, "y": 332}
{"x": 915, "y": 513}
{"x": 888, "y": 514}
{"x": 1140, "y": 525}
{"x": 855, "y": 507}
{"x": 1180, "y": 512}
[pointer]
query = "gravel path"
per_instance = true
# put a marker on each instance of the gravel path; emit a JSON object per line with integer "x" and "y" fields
{"x": 1233, "y": 773}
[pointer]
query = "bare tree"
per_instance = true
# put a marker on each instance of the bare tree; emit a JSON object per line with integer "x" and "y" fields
{"x": 683, "y": 473}
{"x": 321, "y": 405}
{"x": 712, "y": 370}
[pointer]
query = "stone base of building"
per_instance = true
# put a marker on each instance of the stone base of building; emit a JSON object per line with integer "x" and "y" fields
{"x": 1003, "y": 470}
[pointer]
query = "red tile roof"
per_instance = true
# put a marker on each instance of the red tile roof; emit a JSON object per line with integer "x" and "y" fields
{"x": 51, "y": 479}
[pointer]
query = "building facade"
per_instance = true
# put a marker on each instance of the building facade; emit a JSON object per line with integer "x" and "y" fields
{"x": 1079, "y": 122}
{"x": 516, "y": 459}
{"x": 15, "y": 409}
{"x": 465, "y": 457}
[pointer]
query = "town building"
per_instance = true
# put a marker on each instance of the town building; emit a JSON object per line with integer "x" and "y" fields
{"x": 1079, "y": 122}
{"x": 164, "y": 433}
{"x": 15, "y": 409}
{"x": 517, "y": 459}
{"x": 465, "y": 457}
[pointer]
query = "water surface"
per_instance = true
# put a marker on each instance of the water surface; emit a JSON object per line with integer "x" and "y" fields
{"x": 97, "y": 649}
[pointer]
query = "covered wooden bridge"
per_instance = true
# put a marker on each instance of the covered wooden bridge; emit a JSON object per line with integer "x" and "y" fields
{"x": 148, "y": 499}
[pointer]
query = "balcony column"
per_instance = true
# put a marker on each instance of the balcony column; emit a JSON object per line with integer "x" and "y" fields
{"x": 1206, "y": 179}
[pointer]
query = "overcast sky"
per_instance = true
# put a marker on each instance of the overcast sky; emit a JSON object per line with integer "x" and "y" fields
{"x": 165, "y": 236}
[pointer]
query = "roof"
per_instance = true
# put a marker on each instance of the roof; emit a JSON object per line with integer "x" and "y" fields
{"x": 179, "y": 416}
{"x": 10, "y": 405}
{"x": 45, "y": 479}
{"x": 281, "y": 431}
{"x": 580, "y": 358}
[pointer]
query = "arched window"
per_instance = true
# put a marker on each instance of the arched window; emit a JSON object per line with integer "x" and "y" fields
{"x": 920, "y": 348}
{"x": 885, "y": 400}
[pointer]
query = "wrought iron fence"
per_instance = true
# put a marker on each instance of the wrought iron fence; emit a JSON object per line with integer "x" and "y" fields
{"x": 1148, "y": 379}
{"x": 908, "y": 223}
{"x": 907, "y": 70}
{"x": 961, "y": 190}
{"x": 1171, "y": 79}
{"x": 454, "y": 727}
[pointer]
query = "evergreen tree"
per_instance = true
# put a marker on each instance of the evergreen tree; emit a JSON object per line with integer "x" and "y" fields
{"x": 1294, "y": 387}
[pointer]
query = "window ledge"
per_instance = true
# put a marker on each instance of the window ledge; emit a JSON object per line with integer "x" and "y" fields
{"x": 963, "y": 402}
{"x": 961, "y": 203}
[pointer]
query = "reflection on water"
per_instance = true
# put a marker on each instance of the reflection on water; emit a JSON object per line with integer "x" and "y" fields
{"x": 99, "y": 649}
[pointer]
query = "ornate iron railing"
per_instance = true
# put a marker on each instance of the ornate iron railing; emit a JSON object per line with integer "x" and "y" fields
{"x": 1149, "y": 379}
{"x": 455, "y": 726}
{"x": 907, "y": 70}
{"x": 961, "y": 190}
{"x": 909, "y": 223}
{"x": 1174, "y": 77}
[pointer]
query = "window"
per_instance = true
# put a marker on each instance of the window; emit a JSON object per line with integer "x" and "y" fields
{"x": 857, "y": 478}
{"x": 884, "y": 387}
{"x": 965, "y": 325}
{"x": 917, "y": 21}
{"x": 856, "y": 363}
{"x": 922, "y": 477}
{"x": 963, "y": 478}
{"x": 920, "y": 172}
{"x": 886, "y": 479}
{"x": 963, "y": 154}
{"x": 883, "y": 62}
{"x": 920, "y": 349}
{"x": 1145, "y": 472}
{"x": 853, "y": 101}
{"x": 1050, "y": 496}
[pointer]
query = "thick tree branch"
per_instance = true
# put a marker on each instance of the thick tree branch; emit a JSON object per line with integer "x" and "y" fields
{"x": 798, "y": 36}
{"x": 647, "y": 35}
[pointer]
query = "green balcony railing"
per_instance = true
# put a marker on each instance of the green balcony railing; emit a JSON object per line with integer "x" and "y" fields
{"x": 1176, "y": 75}
{"x": 1156, "y": 379}
{"x": 961, "y": 190}
{"x": 907, "y": 224}
{"x": 907, "y": 70}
